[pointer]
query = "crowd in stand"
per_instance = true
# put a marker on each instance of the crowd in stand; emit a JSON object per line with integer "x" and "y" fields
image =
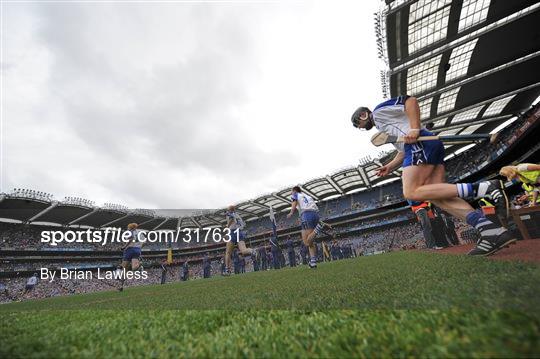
{"x": 15, "y": 289}
{"x": 399, "y": 237}
{"x": 19, "y": 236}
{"x": 289, "y": 253}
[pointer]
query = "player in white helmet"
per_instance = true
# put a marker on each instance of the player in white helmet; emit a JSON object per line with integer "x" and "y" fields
{"x": 424, "y": 174}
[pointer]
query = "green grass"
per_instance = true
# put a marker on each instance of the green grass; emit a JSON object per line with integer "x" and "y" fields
{"x": 399, "y": 304}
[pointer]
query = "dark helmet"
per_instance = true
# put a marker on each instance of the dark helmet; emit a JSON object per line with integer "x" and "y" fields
{"x": 358, "y": 116}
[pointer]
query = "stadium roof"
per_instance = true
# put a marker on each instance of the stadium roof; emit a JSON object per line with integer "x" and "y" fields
{"x": 37, "y": 207}
{"x": 472, "y": 64}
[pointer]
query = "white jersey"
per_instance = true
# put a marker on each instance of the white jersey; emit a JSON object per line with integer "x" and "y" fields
{"x": 390, "y": 117}
{"x": 32, "y": 281}
{"x": 236, "y": 221}
{"x": 304, "y": 202}
{"x": 136, "y": 239}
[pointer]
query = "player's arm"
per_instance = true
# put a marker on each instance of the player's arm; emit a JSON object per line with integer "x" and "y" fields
{"x": 293, "y": 208}
{"x": 396, "y": 162}
{"x": 528, "y": 167}
{"x": 412, "y": 109}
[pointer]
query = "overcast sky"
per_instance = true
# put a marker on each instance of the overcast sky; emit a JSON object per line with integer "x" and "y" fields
{"x": 183, "y": 105}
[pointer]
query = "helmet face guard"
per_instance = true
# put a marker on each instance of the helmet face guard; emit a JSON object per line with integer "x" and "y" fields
{"x": 361, "y": 119}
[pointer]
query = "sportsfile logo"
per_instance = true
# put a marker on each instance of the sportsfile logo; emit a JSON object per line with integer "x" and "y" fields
{"x": 111, "y": 236}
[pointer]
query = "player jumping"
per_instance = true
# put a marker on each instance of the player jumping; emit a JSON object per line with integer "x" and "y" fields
{"x": 236, "y": 224}
{"x": 312, "y": 226}
{"x": 424, "y": 174}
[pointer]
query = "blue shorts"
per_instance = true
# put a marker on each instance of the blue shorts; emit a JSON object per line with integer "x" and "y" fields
{"x": 131, "y": 253}
{"x": 235, "y": 238}
{"x": 424, "y": 152}
{"x": 309, "y": 219}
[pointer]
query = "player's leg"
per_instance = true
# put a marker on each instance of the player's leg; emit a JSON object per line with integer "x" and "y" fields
{"x": 228, "y": 253}
{"x": 320, "y": 228}
{"x": 456, "y": 206}
{"x": 310, "y": 220}
{"x": 245, "y": 251}
{"x": 311, "y": 247}
{"x": 135, "y": 264}
{"x": 126, "y": 260}
{"x": 437, "y": 191}
{"x": 426, "y": 159}
{"x": 135, "y": 255}
{"x": 306, "y": 234}
{"x": 492, "y": 236}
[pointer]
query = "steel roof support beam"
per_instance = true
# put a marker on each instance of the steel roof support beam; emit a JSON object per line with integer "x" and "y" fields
{"x": 84, "y": 216}
{"x": 212, "y": 220}
{"x": 334, "y": 184}
{"x": 364, "y": 176}
{"x": 454, "y": 112}
{"x": 148, "y": 221}
{"x": 281, "y": 198}
{"x": 197, "y": 223}
{"x": 466, "y": 38}
{"x": 470, "y": 79}
{"x": 473, "y": 121}
{"x": 262, "y": 206}
{"x": 116, "y": 220}
{"x": 395, "y": 9}
{"x": 52, "y": 206}
{"x": 159, "y": 225}
{"x": 315, "y": 197}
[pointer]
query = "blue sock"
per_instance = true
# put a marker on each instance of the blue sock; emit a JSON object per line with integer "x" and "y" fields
{"x": 474, "y": 217}
{"x": 465, "y": 190}
{"x": 482, "y": 224}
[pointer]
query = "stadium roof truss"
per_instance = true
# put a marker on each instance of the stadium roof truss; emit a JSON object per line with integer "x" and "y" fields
{"x": 32, "y": 210}
{"x": 472, "y": 64}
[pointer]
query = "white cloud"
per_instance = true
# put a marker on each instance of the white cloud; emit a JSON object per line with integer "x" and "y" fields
{"x": 181, "y": 105}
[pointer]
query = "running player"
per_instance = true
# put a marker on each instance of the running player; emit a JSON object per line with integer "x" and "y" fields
{"x": 312, "y": 226}
{"x": 424, "y": 174}
{"x": 236, "y": 224}
{"x": 132, "y": 252}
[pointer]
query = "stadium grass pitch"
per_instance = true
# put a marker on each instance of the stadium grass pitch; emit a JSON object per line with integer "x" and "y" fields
{"x": 399, "y": 304}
